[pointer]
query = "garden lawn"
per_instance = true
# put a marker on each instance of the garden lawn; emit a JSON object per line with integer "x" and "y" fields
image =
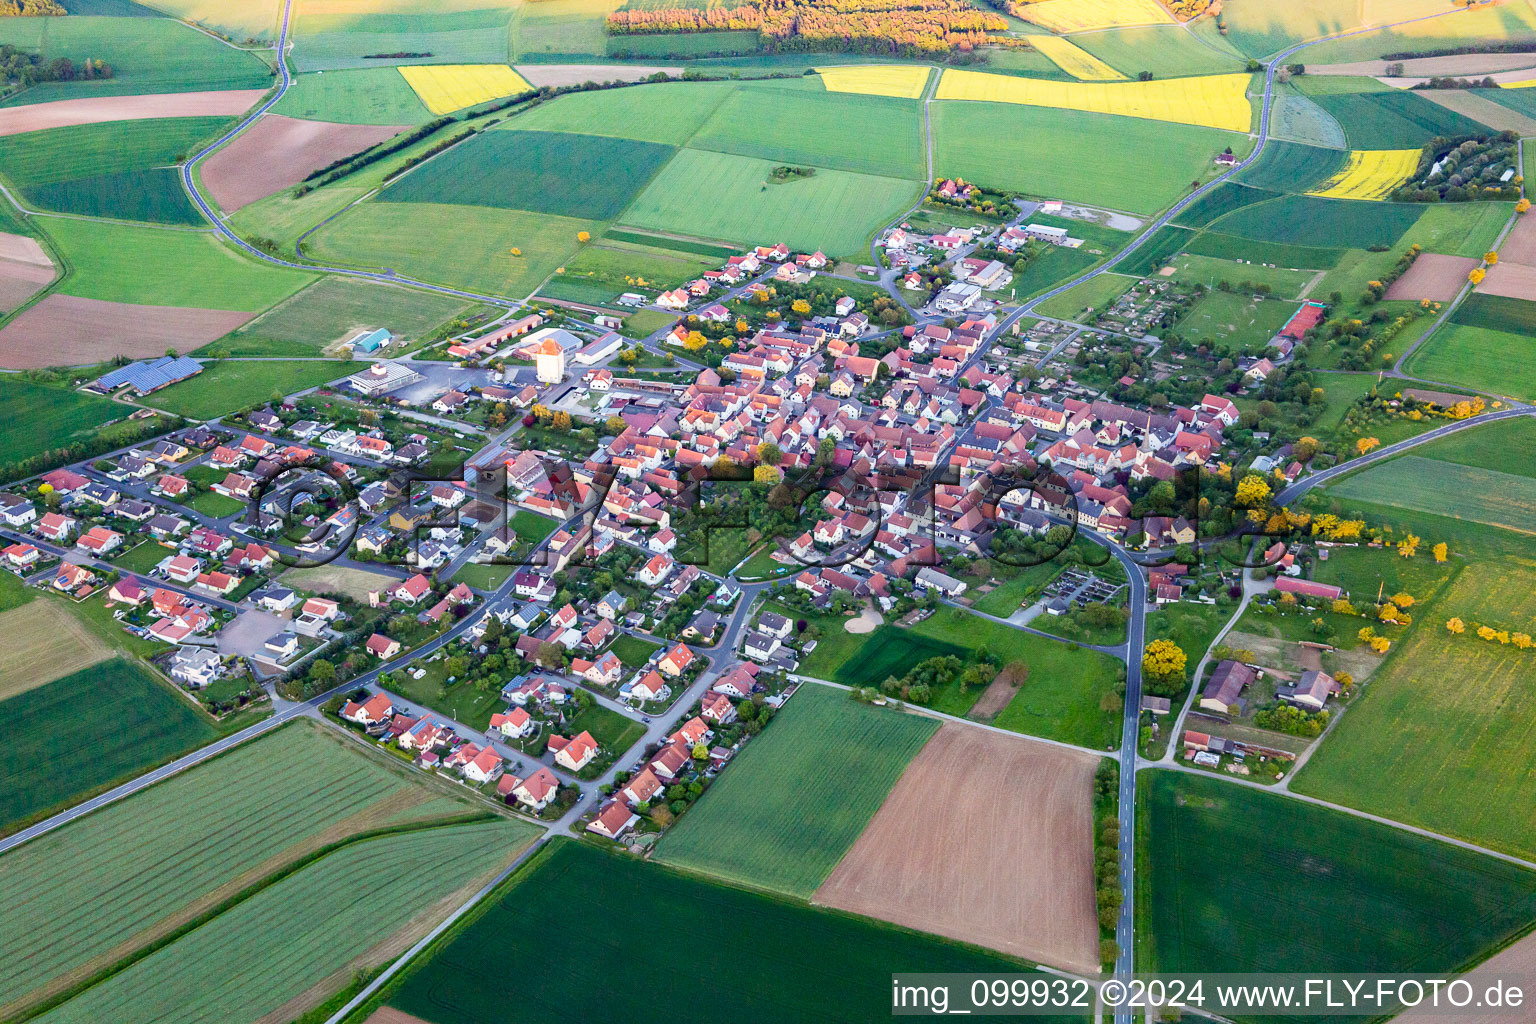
{"x": 160, "y": 267}
{"x": 614, "y": 732}
{"x": 1075, "y": 155}
{"x": 753, "y": 829}
{"x": 364, "y": 96}
{"x": 334, "y": 309}
{"x": 632, "y": 650}
{"x": 531, "y": 170}
{"x": 216, "y": 506}
{"x": 40, "y": 417}
{"x": 116, "y": 710}
{"x": 428, "y": 241}
{"x": 205, "y": 833}
{"x": 835, "y": 211}
{"x": 1371, "y": 898}
{"x": 609, "y": 906}
{"x": 226, "y": 385}
{"x": 300, "y": 936}
{"x": 1478, "y": 358}
{"x": 484, "y": 576}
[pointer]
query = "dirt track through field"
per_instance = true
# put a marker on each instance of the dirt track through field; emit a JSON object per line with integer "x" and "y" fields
{"x": 1515, "y": 280}
{"x": 278, "y": 151}
{"x": 64, "y": 113}
{"x": 40, "y": 642}
{"x": 66, "y": 330}
{"x": 985, "y": 838}
{"x": 1433, "y": 276}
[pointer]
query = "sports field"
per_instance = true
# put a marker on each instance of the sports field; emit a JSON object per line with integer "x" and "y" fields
{"x": 40, "y": 417}
{"x": 115, "y": 712}
{"x": 1462, "y": 492}
{"x": 159, "y": 267}
{"x": 299, "y": 940}
{"x": 334, "y": 309}
{"x": 1085, "y": 15}
{"x": 362, "y": 96}
{"x": 427, "y": 241}
{"x": 835, "y": 211}
{"x": 1096, "y": 158}
{"x": 227, "y": 385}
{"x": 1370, "y": 174}
{"x": 1211, "y": 101}
{"x": 1284, "y": 282}
{"x": 198, "y": 838}
{"x": 1074, "y": 60}
{"x": 904, "y": 80}
{"x": 444, "y": 88}
{"x": 1233, "y": 879}
{"x": 611, "y": 906}
{"x": 531, "y": 170}
{"x": 753, "y": 828}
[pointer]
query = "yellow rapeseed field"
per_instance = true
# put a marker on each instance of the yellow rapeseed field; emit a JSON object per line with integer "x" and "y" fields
{"x": 1370, "y": 174}
{"x": 445, "y": 88}
{"x": 1086, "y": 15}
{"x": 902, "y": 80}
{"x": 1073, "y": 59}
{"x": 1213, "y": 101}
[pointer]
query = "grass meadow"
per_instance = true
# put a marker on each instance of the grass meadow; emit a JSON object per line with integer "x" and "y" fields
{"x": 668, "y": 113}
{"x": 40, "y": 417}
{"x": 731, "y": 198}
{"x": 115, "y": 714}
{"x": 1460, "y": 229}
{"x": 1488, "y": 496}
{"x": 806, "y": 960}
{"x": 1075, "y": 155}
{"x": 758, "y": 827}
{"x": 333, "y": 42}
{"x": 364, "y": 96}
{"x": 225, "y": 386}
{"x": 1320, "y": 223}
{"x": 298, "y": 938}
{"x": 163, "y": 267}
{"x": 1233, "y": 879}
{"x": 612, "y": 268}
{"x": 1233, "y": 321}
{"x": 1475, "y": 357}
{"x": 333, "y": 308}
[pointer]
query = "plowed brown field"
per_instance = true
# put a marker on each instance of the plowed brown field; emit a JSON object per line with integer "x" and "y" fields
{"x": 278, "y": 151}
{"x": 63, "y": 113}
{"x": 65, "y": 330}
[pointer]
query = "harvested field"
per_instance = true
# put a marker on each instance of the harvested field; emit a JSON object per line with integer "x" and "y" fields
{"x": 24, "y": 268}
{"x": 390, "y": 1015}
{"x": 1462, "y": 65}
{"x": 1520, "y": 244}
{"x": 1433, "y": 276}
{"x": 1480, "y": 108}
{"x": 278, "y": 151}
{"x": 63, "y": 113}
{"x": 66, "y": 330}
{"x": 337, "y": 579}
{"x": 556, "y": 75}
{"x": 1512, "y": 280}
{"x": 934, "y": 858}
{"x": 1516, "y": 960}
{"x": 40, "y": 642}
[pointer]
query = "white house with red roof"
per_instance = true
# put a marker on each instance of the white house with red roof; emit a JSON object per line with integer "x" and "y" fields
{"x": 613, "y": 820}
{"x": 54, "y": 526}
{"x": 537, "y": 790}
{"x": 515, "y": 723}
{"x": 483, "y": 767}
{"x": 381, "y": 646}
{"x": 369, "y": 712}
{"x": 575, "y": 753}
{"x": 676, "y": 661}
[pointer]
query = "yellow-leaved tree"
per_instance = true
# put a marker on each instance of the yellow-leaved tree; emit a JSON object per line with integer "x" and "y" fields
{"x": 1455, "y": 625}
{"x": 1252, "y": 492}
{"x": 1162, "y": 667}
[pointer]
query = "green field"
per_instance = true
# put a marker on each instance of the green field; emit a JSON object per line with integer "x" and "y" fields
{"x": 1376, "y": 116}
{"x": 1487, "y": 496}
{"x": 682, "y": 45}
{"x": 302, "y": 932}
{"x": 1222, "y": 200}
{"x": 1235, "y": 322}
{"x": 1497, "y": 313}
{"x": 39, "y": 417}
{"x": 754, "y": 829}
{"x": 148, "y": 55}
{"x": 161, "y": 267}
{"x": 1490, "y": 361}
{"x": 1316, "y": 222}
{"x": 608, "y": 269}
{"x": 1233, "y": 879}
{"x": 1154, "y": 252}
{"x": 1461, "y": 229}
{"x": 116, "y": 711}
{"x": 719, "y": 196}
{"x": 1092, "y": 158}
{"x": 1506, "y": 445}
{"x": 1283, "y": 281}
{"x": 1291, "y": 167}
{"x": 427, "y": 241}
{"x": 1095, "y": 294}
{"x": 1296, "y": 118}
{"x": 155, "y": 195}
{"x": 365, "y": 96}
{"x": 531, "y": 170}
{"x": 205, "y": 831}
{"x": 61, "y": 154}
{"x": 666, "y": 112}
{"x": 552, "y": 27}
{"x": 1488, "y": 23}
{"x": 227, "y": 385}
{"x": 845, "y": 131}
{"x": 331, "y": 42}
{"x": 1232, "y": 247}
{"x": 335, "y": 308}
{"x": 1165, "y": 50}
{"x": 812, "y": 960}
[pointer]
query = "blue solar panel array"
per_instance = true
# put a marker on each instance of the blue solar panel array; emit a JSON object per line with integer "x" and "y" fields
{"x": 147, "y": 377}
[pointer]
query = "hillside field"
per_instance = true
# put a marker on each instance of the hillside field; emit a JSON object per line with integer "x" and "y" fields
{"x": 226, "y": 385}
{"x": 1475, "y": 357}
{"x": 39, "y": 417}
{"x": 610, "y": 906}
{"x": 753, "y": 829}
{"x": 1479, "y": 495}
